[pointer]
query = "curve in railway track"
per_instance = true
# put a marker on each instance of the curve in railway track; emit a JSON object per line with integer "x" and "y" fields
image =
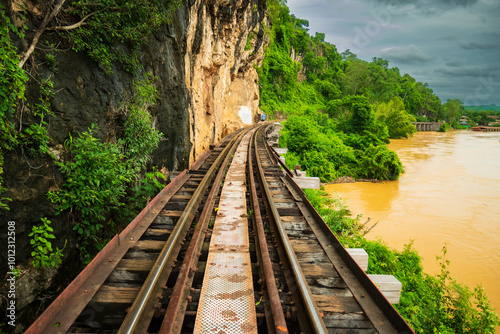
{"x": 230, "y": 246}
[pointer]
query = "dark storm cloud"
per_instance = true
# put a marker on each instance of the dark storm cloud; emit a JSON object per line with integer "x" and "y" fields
{"x": 454, "y": 63}
{"x": 469, "y": 71}
{"x": 451, "y": 45}
{"x": 426, "y": 4}
{"x": 477, "y": 46}
{"x": 405, "y": 55}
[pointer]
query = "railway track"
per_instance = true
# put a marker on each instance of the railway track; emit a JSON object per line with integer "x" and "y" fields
{"x": 230, "y": 246}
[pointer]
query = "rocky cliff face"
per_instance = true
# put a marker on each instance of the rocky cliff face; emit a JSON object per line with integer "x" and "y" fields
{"x": 203, "y": 61}
{"x": 225, "y": 38}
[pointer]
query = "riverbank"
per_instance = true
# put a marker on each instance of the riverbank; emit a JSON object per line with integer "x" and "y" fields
{"x": 448, "y": 195}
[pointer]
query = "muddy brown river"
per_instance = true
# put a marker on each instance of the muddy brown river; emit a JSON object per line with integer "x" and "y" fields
{"x": 449, "y": 193}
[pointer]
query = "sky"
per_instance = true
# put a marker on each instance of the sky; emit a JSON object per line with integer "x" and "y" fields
{"x": 453, "y": 45}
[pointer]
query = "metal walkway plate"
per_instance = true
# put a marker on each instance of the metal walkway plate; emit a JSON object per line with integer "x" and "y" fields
{"x": 227, "y": 303}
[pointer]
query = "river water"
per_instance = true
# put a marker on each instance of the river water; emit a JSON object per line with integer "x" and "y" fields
{"x": 449, "y": 193}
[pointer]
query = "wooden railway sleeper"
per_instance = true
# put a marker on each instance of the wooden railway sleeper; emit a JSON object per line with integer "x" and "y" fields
{"x": 278, "y": 323}
{"x": 175, "y": 312}
{"x": 316, "y": 323}
{"x": 137, "y": 320}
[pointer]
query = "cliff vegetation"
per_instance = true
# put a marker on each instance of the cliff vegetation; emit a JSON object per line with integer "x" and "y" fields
{"x": 340, "y": 113}
{"x": 99, "y": 102}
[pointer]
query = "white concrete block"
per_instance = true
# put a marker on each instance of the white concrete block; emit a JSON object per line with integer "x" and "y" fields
{"x": 360, "y": 256}
{"x": 307, "y": 182}
{"x": 281, "y": 150}
{"x": 300, "y": 173}
{"x": 389, "y": 286}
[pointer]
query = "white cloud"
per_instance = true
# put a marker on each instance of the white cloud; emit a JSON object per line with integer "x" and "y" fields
{"x": 410, "y": 54}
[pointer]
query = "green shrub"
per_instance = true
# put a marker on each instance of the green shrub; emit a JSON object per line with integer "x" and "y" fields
{"x": 444, "y": 127}
{"x": 12, "y": 88}
{"x": 378, "y": 162}
{"x": 430, "y": 304}
{"x": 12, "y": 82}
{"x": 140, "y": 137}
{"x": 95, "y": 182}
{"x": 98, "y": 176}
{"x": 43, "y": 255}
{"x": 110, "y": 22}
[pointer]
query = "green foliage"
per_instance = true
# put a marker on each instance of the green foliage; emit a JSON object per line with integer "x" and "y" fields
{"x": 95, "y": 182}
{"x": 140, "y": 138}
{"x": 250, "y": 38}
{"x": 113, "y": 30}
{"x": 43, "y": 255}
{"x": 35, "y": 138}
{"x": 12, "y": 82}
{"x": 12, "y": 88}
{"x": 395, "y": 117}
{"x": 146, "y": 189}
{"x": 481, "y": 117}
{"x": 314, "y": 142}
{"x": 492, "y": 108}
{"x": 378, "y": 162}
{"x": 452, "y": 110}
{"x": 430, "y": 304}
{"x": 3, "y": 200}
{"x": 444, "y": 127}
{"x": 98, "y": 176}
{"x": 300, "y": 71}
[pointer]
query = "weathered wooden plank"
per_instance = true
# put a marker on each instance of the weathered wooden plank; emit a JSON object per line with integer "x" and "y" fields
{"x": 326, "y": 282}
{"x": 306, "y": 246}
{"x": 282, "y": 199}
{"x": 297, "y": 226}
{"x": 321, "y": 290}
{"x": 331, "y": 304}
{"x": 313, "y": 258}
{"x": 351, "y": 331}
{"x": 348, "y": 321}
{"x": 170, "y": 213}
{"x": 149, "y": 245}
{"x": 178, "y": 198}
{"x": 127, "y": 277}
{"x": 285, "y": 205}
{"x": 157, "y": 233}
{"x": 292, "y": 219}
{"x": 115, "y": 294}
{"x": 135, "y": 265}
{"x": 317, "y": 270}
{"x": 289, "y": 211}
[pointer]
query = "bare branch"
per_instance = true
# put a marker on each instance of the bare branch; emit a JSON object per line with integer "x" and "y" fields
{"x": 73, "y": 26}
{"x": 40, "y": 31}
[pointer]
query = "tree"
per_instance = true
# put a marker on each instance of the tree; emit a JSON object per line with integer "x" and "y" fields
{"x": 395, "y": 117}
{"x": 98, "y": 26}
{"x": 452, "y": 110}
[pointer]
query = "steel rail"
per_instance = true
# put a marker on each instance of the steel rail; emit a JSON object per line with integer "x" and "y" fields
{"x": 378, "y": 309}
{"x": 317, "y": 323}
{"x": 64, "y": 310}
{"x": 280, "y": 326}
{"x": 174, "y": 314}
{"x": 137, "y": 310}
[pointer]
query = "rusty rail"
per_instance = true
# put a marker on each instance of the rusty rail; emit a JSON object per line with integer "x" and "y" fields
{"x": 279, "y": 321}
{"x": 137, "y": 311}
{"x": 317, "y": 324}
{"x": 174, "y": 314}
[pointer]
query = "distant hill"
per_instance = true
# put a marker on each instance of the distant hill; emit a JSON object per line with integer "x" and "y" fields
{"x": 483, "y": 107}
